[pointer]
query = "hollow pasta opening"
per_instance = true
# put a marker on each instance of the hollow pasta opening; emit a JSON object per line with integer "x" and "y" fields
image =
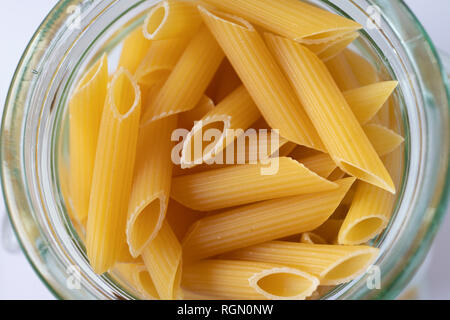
{"x": 364, "y": 230}
{"x": 348, "y": 268}
{"x": 145, "y": 224}
{"x": 123, "y": 93}
{"x": 155, "y": 19}
{"x": 284, "y": 284}
{"x": 191, "y": 154}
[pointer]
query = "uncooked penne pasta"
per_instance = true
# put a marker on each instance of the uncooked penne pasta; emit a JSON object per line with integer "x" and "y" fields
{"x": 329, "y": 230}
{"x": 159, "y": 61}
{"x": 312, "y": 238}
{"x": 249, "y": 148}
{"x": 151, "y": 183}
{"x": 113, "y": 172}
{"x": 229, "y": 279}
{"x": 286, "y": 147}
{"x": 321, "y": 163}
{"x": 228, "y": 119}
{"x": 219, "y": 158}
{"x": 336, "y": 175}
{"x": 371, "y": 207}
{"x": 362, "y": 69}
{"x": 366, "y": 101}
{"x": 332, "y": 264}
{"x": 85, "y": 113}
{"x": 224, "y": 82}
{"x": 134, "y": 48}
{"x": 293, "y": 19}
{"x": 383, "y": 139}
{"x": 137, "y": 276}
{"x": 187, "y": 119}
{"x": 342, "y": 72}
{"x": 222, "y": 188}
{"x": 329, "y": 50}
{"x": 189, "y": 79}
{"x": 162, "y": 257}
{"x": 262, "y": 77}
{"x": 180, "y": 218}
{"x": 171, "y": 19}
{"x": 273, "y": 219}
{"x": 334, "y": 120}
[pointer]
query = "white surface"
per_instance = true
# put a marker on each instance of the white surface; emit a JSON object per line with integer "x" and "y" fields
{"x": 19, "y": 19}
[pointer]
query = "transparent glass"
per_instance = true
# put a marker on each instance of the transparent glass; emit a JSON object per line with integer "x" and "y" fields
{"x": 34, "y": 140}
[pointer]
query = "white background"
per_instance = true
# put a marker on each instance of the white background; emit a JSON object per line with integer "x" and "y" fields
{"x": 18, "y": 21}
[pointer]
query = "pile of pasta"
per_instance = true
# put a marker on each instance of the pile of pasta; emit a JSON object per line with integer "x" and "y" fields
{"x": 196, "y": 230}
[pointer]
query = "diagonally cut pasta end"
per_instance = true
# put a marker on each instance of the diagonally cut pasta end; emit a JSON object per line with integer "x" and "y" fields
{"x": 362, "y": 230}
{"x": 385, "y": 183}
{"x": 331, "y": 34}
{"x": 156, "y": 19}
{"x": 225, "y": 18}
{"x": 284, "y": 284}
{"x": 349, "y": 266}
{"x": 191, "y": 154}
{"x": 145, "y": 284}
{"x": 144, "y": 223}
{"x": 93, "y": 73}
{"x": 124, "y": 95}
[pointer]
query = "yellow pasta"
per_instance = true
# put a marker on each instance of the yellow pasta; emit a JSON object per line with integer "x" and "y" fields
{"x": 189, "y": 79}
{"x": 85, "y": 113}
{"x": 332, "y": 264}
{"x": 311, "y": 237}
{"x": 371, "y": 207}
{"x": 383, "y": 139}
{"x": 321, "y": 163}
{"x": 336, "y": 175}
{"x": 249, "y": 148}
{"x": 227, "y": 120}
{"x": 335, "y": 122}
{"x": 240, "y": 150}
{"x": 328, "y": 50}
{"x": 222, "y": 188}
{"x": 329, "y": 230}
{"x": 273, "y": 219}
{"x": 137, "y": 276}
{"x": 135, "y": 47}
{"x": 342, "y": 72}
{"x": 159, "y": 61}
{"x": 363, "y": 70}
{"x": 171, "y": 19}
{"x": 113, "y": 172}
{"x": 262, "y": 77}
{"x": 186, "y": 119}
{"x": 151, "y": 183}
{"x": 224, "y": 82}
{"x": 293, "y": 19}
{"x": 162, "y": 257}
{"x": 180, "y": 218}
{"x": 229, "y": 279}
{"x": 286, "y": 147}
{"x": 367, "y": 101}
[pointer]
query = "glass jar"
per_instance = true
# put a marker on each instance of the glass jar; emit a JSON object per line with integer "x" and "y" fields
{"x": 75, "y": 33}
